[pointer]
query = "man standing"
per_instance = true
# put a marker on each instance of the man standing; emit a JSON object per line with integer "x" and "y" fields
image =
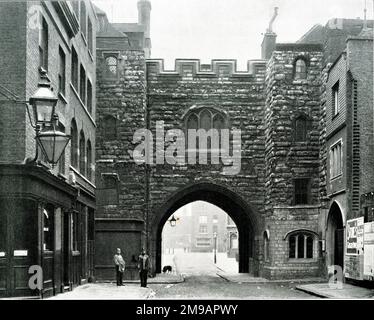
{"x": 143, "y": 266}
{"x": 120, "y": 266}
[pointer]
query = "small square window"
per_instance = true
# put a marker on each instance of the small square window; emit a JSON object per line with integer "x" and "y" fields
{"x": 301, "y": 191}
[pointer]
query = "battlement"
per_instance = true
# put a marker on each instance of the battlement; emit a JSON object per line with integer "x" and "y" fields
{"x": 217, "y": 68}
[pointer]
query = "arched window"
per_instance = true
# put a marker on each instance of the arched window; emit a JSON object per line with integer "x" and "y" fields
{"x": 109, "y": 128}
{"x": 111, "y": 66}
{"x": 82, "y": 153}
{"x": 89, "y": 160}
{"x": 233, "y": 241}
{"x": 206, "y": 118}
{"x": 83, "y": 19}
{"x": 300, "y": 71}
{"x": 301, "y": 128}
{"x": 74, "y": 144}
{"x": 301, "y": 245}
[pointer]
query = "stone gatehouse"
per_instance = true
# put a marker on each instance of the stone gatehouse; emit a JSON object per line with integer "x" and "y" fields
{"x": 278, "y": 197}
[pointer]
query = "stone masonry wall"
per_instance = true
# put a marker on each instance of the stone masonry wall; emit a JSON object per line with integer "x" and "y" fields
{"x": 240, "y": 96}
{"x": 287, "y": 159}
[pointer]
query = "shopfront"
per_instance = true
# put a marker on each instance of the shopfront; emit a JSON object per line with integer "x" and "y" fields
{"x": 37, "y": 232}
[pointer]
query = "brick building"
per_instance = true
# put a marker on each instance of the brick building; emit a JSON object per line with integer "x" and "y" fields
{"x": 196, "y": 228}
{"x": 47, "y": 214}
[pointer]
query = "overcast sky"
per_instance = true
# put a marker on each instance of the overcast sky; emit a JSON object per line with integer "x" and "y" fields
{"x": 228, "y": 29}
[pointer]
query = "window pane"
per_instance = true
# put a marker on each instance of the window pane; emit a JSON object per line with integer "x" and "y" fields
{"x": 192, "y": 122}
{"x": 301, "y": 191}
{"x": 82, "y": 88}
{"x": 205, "y": 120}
{"x": 83, "y": 19}
{"x": 89, "y": 160}
{"x": 48, "y": 217}
{"x": 82, "y": 154}
{"x": 74, "y": 144}
{"x": 300, "y": 69}
{"x": 309, "y": 247}
{"x": 74, "y": 68}
{"x": 292, "y": 247}
{"x": 62, "y": 72}
{"x": 300, "y": 246}
{"x": 89, "y": 96}
{"x": 219, "y": 122}
{"x": 111, "y": 65}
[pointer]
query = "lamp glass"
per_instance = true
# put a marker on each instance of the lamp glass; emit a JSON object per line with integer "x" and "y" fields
{"x": 53, "y": 144}
{"x": 43, "y": 103}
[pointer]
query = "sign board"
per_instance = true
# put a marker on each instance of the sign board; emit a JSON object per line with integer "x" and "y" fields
{"x": 369, "y": 250}
{"x": 20, "y": 253}
{"x": 355, "y": 236}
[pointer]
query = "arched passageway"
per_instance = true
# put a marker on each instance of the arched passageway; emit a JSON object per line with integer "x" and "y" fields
{"x": 239, "y": 211}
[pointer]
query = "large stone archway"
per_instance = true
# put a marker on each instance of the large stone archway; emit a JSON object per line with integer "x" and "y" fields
{"x": 241, "y": 213}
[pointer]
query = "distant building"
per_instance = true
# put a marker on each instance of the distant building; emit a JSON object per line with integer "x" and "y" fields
{"x": 196, "y": 227}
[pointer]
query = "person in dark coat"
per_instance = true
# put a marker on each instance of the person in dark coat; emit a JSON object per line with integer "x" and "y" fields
{"x": 120, "y": 266}
{"x": 144, "y": 266}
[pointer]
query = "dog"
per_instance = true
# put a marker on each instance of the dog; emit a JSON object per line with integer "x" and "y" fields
{"x": 167, "y": 269}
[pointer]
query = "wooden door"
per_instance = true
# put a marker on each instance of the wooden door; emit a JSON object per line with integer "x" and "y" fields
{"x": 339, "y": 248}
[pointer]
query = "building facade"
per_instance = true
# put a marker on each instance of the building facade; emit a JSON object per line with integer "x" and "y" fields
{"x": 295, "y": 177}
{"x": 47, "y": 213}
{"x": 200, "y": 227}
{"x": 288, "y": 184}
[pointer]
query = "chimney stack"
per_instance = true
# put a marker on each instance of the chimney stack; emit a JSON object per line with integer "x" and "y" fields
{"x": 270, "y": 37}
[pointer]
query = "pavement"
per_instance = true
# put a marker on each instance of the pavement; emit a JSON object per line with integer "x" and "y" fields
{"x": 334, "y": 291}
{"x": 105, "y": 291}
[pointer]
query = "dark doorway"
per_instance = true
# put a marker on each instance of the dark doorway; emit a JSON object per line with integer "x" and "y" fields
{"x": 19, "y": 239}
{"x": 339, "y": 247}
{"x": 335, "y": 237}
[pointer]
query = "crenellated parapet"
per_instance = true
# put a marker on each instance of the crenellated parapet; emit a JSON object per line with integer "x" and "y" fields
{"x": 217, "y": 68}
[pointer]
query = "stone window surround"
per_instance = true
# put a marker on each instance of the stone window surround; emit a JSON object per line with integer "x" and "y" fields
{"x": 197, "y": 110}
{"x": 308, "y": 121}
{"x": 106, "y": 73}
{"x": 335, "y": 100}
{"x": 307, "y": 65}
{"x": 306, "y": 233}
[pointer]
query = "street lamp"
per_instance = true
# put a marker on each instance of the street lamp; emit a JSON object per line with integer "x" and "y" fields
{"x": 43, "y": 102}
{"x": 173, "y": 221}
{"x": 215, "y": 246}
{"x": 51, "y": 141}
